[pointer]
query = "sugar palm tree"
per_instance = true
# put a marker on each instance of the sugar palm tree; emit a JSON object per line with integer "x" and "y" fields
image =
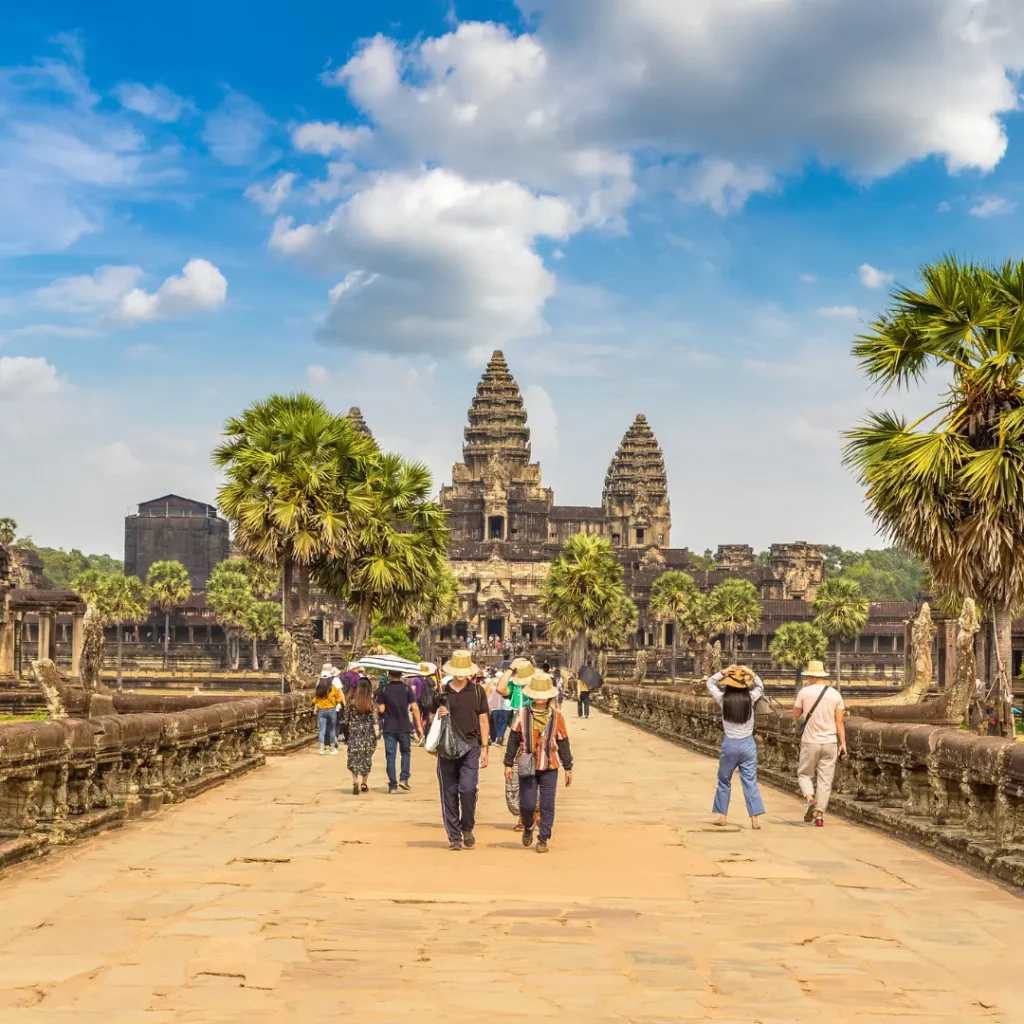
{"x": 119, "y": 600}
{"x": 737, "y": 607}
{"x": 949, "y": 487}
{"x": 582, "y": 593}
{"x": 168, "y": 586}
{"x": 229, "y": 592}
{"x": 8, "y": 531}
{"x": 671, "y": 596}
{"x": 398, "y": 549}
{"x": 841, "y": 613}
{"x": 700, "y": 621}
{"x": 262, "y": 622}
{"x": 439, "y": 606}
{"x": 795, "y": 644}
{"x": 295, "y": 487}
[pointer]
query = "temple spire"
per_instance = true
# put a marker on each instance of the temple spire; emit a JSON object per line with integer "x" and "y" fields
{"x": 355, "y": 416}
{"x": 636, "y": 488}
{"x": 497, "y": 419}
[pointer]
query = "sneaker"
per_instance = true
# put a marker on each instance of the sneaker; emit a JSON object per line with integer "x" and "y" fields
{"x": 355, "y": 789}
{"x": 323, "y": 750}
{"x": 809, "y": 813}
{"x": 405, "y": 785}
{"x": 468, "y": 840}
{"x": 392, "y": 790}
{"x": 519, "y": 827}
{"x": 819, "y": 821}
{"x": 527, "y": 837}
{"x": 334, "y": 751}
{"x": 542, "y": 846}
{"x": 455, "y": 845}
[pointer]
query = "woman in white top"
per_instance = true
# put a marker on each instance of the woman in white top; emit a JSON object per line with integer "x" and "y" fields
{"x": 736, "y": 690}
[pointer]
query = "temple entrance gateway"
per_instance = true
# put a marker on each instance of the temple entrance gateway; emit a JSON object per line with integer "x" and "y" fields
{"x": 495, "y": 528}
{"x": 496, "y": 627}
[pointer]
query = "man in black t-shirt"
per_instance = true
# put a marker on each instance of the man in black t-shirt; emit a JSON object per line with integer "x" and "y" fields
{"x": 395, "y": 702}
{"x": 466, "y": 702}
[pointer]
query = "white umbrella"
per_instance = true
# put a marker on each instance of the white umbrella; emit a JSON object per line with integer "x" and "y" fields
{"x": 387, "y": 663}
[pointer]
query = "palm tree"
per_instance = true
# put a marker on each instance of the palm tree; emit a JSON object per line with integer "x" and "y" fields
{"x": 671, "y": 595}
{"x": 398, "y": 550}
{"x": 842, "y": 612}
{"x": 582, "y": 593}
{"x": 439, "y": 606}
{"x": 229, "y": 592}
{"x": 295, "y": 487}
{"x": 168, "y": 586}
{"x": 262, "y": 622}
{"x": 949, "y": 487}
{"x": 700, "y": 621}
{"x": 8, "y": 531}
{"x": 795, "y": 644}
{"x": 119, "y": 599}
{"x": 738, "y": 608}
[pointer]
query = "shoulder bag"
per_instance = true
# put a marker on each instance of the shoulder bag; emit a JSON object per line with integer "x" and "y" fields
{"x": 814, "y": 707}
{"x": 527, "y": 762}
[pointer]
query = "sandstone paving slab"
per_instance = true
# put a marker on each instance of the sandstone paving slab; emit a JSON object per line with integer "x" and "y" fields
{"x": 281, "y": 897}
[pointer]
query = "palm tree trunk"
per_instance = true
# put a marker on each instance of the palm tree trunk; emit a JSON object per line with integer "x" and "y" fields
{"x": 287, "y": 574}
{"x": 799, "y": 674}
{"x": 577, "y": 653}
{"x": 120, "y": 679}
{"x": 255, "y": 655}
{"x": 1002, "y": 666}
{"x": 362, "y": 627}
{"x": 303, "y": 571}
{"x": 675, "y": 630}
{"x": 839, "y": 655}
{"x": 167, "y": 637}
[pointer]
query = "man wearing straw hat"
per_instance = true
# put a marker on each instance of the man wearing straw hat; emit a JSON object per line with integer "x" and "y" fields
{"x": 459, "y": 778}
{"x": 819, "y": 709}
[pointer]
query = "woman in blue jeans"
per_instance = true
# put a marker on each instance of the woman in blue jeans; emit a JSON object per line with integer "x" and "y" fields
{"x": 736, "y": 690}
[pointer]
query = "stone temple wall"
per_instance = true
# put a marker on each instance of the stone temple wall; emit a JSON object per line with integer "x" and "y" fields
{"x": 66, "y": 779}
{"x": 958, "y": 795}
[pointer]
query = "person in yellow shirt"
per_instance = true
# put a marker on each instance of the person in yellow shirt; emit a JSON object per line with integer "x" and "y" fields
{"x": 582, "y": 699}
{"x": 326, "y": 699}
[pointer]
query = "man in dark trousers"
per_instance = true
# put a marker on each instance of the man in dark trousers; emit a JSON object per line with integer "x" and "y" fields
{"x": 397, "y": 706}
{"x": 466, "y": 702}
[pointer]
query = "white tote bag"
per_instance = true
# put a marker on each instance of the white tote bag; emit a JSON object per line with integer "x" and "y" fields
{"x": 433, "y": 737}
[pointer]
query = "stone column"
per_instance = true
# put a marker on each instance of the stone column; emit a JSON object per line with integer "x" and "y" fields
{"x": 77, "y": 639}
{"x": 191, "y": 634}
{"x": 7, "y": 637}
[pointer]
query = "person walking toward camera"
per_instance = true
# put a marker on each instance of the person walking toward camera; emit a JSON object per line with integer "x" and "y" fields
{"x": 459, "y": 778}
{"x": 538, "y": 745}
{"x": 819, "y": 709}
{"x": 736, "y": 690}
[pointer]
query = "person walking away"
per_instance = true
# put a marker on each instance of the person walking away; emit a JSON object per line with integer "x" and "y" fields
{"x": 736, "y": 690}
{"x": 499, "y": 716}
{"x": 361, "y": 715}
{"x": 326, "y": 699}
{"x": 582, "y": 699}
{"x": 459, "y": 778}
{"x": 539, "y": 730}
{"x": 398, "y": 710}
{"x": 822, "y": 739}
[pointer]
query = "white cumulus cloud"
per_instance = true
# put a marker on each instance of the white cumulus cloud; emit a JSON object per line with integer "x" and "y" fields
{"x": 26, "y": 377}
{"x": 327, "y": 138}
{"x": 269, "y": 198}
{"x": 543, "y": 419}
{"x": 992, "y": 206}
{"x": 872, "y": 277}
{"x": 432, "y": 262}
{"x": 86, "y": 293}
{"x": 156, "y": 102}
{"x": 200, "y": 287}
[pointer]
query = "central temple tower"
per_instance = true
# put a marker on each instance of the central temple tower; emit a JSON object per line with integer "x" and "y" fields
{"x": 496, "y": 492}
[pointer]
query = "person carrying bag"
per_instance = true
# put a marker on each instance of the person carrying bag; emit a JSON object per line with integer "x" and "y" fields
{"x": 819, "y": 711}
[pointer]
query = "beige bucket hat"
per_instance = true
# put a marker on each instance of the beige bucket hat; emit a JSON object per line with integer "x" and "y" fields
{"x": 523, "y": 672}
{"x": 541, "y": 687}
{"x": 815, "y": 670}
{"x": 461, "y": 664}
{"x": 738, "y": 676}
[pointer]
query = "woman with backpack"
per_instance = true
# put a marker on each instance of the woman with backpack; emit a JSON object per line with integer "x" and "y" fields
{"x": 326, "y": 699}
{"x": 736, "y": 690}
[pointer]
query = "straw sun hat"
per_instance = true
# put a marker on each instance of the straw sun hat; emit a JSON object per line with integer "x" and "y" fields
{"x": 523, "y": 672}
{"x": 738, "y": 676}
{"x": 461, "y": 664}
{"x": 540, "y": 687}
{"x": 329, "y": 670}
{"x": 815, "y": 670}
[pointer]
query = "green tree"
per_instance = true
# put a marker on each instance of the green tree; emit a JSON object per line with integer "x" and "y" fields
{"x": 398, "y": 551}
{"x": 841, "y": 613}
{"x": 229, "y": 593}
{"x": 700, "y": 622}
{"x": 795, "y": 644}
{"x": 949, "y": 486}
{"x": 262, "y": 622}
{"x": 671, "y": 596}
{"x": 396, "y": 639}
{"x": 120, "y": 600}
{"x": 582, "y": 593}
{"x": 8, "y": 531}
{"x": 296, "y": 487}
{"x": 439, "y": 606}
{"x": 168, "y": 586}
{"x": 619, "y": 630}
{"x": 738, "y": 607}
{"x": 887, "y": 575}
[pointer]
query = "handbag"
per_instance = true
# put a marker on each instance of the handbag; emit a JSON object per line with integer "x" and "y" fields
{"x": 451, "y": 744}
{"x": 526, "y": 763}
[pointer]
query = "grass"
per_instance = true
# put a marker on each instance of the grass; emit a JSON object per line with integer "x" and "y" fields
{"x": 31, "y": 716}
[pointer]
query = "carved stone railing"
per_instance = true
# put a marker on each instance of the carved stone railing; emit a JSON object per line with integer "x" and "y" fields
{"x": 65, "y": 779}
{"x": 959, "y": 795}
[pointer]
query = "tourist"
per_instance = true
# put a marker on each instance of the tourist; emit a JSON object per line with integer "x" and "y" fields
{"x": 539, "y": 730}
{"x": 398, "y": 711}
{"x": 736, "y": 690}
{"x": 511, "y": 685}
{"x": 362, "y": 735}
{"x": 466, "y": 703}
{"x": 501, "y": 712}
{"x": 820, "y": 708}
{"x": 326, "y": 699}
{"x": 582, "y": 699}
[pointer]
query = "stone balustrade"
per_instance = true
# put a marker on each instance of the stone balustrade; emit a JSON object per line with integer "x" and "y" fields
{"x": 64, "y": 779}
{"x": 959, "y": 795}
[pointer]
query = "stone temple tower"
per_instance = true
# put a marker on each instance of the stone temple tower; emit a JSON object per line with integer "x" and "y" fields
{"x": 496, "y": 492}
{"x": 635, "y": 497}
{"x": 355, "y": 416}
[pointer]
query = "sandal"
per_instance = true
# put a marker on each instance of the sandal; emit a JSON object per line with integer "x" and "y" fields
{"x": 364, "y": 788}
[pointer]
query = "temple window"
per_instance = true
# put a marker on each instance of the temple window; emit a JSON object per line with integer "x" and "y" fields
{"x": 616, "y": 539}
{"x": 495, "y": 527}
{"x": 639, "y": 537}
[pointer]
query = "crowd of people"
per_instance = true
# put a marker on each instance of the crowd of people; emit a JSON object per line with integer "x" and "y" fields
{"x": 518, "y": 708}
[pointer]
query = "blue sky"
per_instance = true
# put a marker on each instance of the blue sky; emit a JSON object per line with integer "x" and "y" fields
{"x": 686, "y": 209}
